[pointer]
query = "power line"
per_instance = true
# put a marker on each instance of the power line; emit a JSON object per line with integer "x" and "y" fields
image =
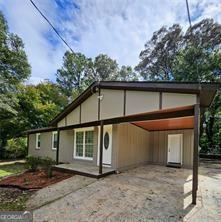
{"x": 188, "y": 13}
{"x": 55, "y": 30}
{"x": 191, "y": 32}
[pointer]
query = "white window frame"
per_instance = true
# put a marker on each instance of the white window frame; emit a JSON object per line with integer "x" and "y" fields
{"x": 52, "y": 145}
{"x": 36, "y": 141}
{"x": 82, "y": 130}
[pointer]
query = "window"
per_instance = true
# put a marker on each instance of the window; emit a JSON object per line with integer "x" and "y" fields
{"x": 38, "y": 141}
{"x": 84, "y": 143}
{"x": 54, "y": 140}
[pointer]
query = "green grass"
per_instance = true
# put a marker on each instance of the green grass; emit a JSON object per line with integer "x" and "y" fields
{"x": 10, "y": 169}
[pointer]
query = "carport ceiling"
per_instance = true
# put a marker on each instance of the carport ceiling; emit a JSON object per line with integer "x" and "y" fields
{"x": 167, "y": 124}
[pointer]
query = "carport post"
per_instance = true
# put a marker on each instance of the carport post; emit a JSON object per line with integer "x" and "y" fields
{"x": 101, "y": 147}
{"x": 57, "y": 151}
{"x": 195, "y": 153}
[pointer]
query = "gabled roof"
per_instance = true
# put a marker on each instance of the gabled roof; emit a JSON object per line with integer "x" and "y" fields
{"x": 206, "y": 91}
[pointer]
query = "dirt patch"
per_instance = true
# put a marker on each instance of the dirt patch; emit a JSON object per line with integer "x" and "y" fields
{"x": 13, "y": 198}
{"x": 33, "y": 180}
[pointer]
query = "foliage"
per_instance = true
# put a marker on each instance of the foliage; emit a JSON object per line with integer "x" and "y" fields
{"x": 159, "y": 58}
{"x": 16, "y": 148}
{"x": 78, "y": 72}
{"x": 126, "y": 73}
{"x": 104, "y": 68}
{"x": 47, "y": 163}
{"x": 14, "y": 69}
{"x": 38, "y": 105}
{"x": 33, "y": 162}
{"x": 159, "y": 53}
{"x": 193, "y": 56}
{"x": 73, "y": 72}
{"x": 196, "y": 64}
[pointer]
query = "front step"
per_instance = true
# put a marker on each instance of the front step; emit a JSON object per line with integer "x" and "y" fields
{"x": 174, "y": 165}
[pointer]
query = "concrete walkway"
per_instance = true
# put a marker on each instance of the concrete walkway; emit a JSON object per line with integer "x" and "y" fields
{"x": 148, "y": 193}
{"x": 57, "y": 190}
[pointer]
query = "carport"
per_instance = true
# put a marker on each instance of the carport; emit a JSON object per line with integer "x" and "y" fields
{"x": 176, "y": 118}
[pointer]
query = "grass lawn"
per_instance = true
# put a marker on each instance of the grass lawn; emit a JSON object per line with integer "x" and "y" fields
{"x": 8, "y": 169}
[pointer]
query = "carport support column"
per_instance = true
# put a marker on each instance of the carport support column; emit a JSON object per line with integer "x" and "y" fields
{"x": 101, "y": 147}
{"x": 57, "y": 151}
{"x": 195, "y": 153}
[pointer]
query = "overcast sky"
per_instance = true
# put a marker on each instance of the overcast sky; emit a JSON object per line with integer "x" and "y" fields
{"x": 118, "y": 28}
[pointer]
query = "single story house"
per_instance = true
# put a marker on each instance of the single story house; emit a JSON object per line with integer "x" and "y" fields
{"x": 125, "y": 124}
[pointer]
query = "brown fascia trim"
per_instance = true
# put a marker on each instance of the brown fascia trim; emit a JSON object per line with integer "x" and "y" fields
{"x": 182, "y": 87}
{"x": 179, "y": 87}
{"x": 40, "y": 130}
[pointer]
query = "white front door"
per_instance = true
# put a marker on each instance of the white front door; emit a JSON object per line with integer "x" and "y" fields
{"x": 175, "y": 144}
{"x": 107, "y": 145}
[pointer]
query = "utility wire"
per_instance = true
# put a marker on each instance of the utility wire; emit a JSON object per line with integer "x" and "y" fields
{"x": 188, "y": 13}
{"x": 191, "y": 31}
{"x": 55, "y": 30}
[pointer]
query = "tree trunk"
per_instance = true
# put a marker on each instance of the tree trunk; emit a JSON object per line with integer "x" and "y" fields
{"x": 3, "y": 142}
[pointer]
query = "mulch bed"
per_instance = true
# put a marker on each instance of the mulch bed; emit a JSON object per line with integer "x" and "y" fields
{"x": 33, "y": 180}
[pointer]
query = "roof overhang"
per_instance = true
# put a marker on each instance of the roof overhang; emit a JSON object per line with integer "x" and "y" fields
{"x": 167, "y": 124}
{"x": 206, "y": 92}
{"x": 148, "y": 116}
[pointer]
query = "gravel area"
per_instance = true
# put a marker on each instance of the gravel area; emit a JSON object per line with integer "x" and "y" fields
{"x": 148, "y": 193}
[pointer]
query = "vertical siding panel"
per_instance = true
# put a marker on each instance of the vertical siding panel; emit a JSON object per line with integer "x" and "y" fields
{"x": 161, "y": 147}
{"x": 133, "y": 145}
{"x": 151, "y": 146}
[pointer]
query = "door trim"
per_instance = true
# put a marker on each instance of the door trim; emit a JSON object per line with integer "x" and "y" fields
{"x": 181, "y": 147}
{"x": 98, "y": 146}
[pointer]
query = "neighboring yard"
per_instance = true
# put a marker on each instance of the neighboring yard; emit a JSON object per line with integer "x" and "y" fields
{"x": 9, "y": 168}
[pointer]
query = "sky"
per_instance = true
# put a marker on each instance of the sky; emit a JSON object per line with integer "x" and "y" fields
{"x": 118, "y": 28}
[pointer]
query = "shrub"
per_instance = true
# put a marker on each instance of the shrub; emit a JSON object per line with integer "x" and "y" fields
{"x": 16, "y": 148}
{"x": 33, "y": 162}
{"x": 47, "y": 163}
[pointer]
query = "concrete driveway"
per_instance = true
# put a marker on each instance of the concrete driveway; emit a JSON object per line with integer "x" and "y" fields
{"x": 148, "y": 193}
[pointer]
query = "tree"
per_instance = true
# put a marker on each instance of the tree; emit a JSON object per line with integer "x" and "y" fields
{"x": 14, "y": 69}
{"x": 73, "y": 73}
{"x": 159, "y": 53}
{"x": 191, "y": 56}
{"x": 104, "y": 68}
{"x": 211, "y": 139}
{"x": 196, "y": 64}
{"x": 78, "y": 72}
{"x": 38, "y": 105}
{"x": 126, "y": 73}
{"x": 157, "y": 59}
